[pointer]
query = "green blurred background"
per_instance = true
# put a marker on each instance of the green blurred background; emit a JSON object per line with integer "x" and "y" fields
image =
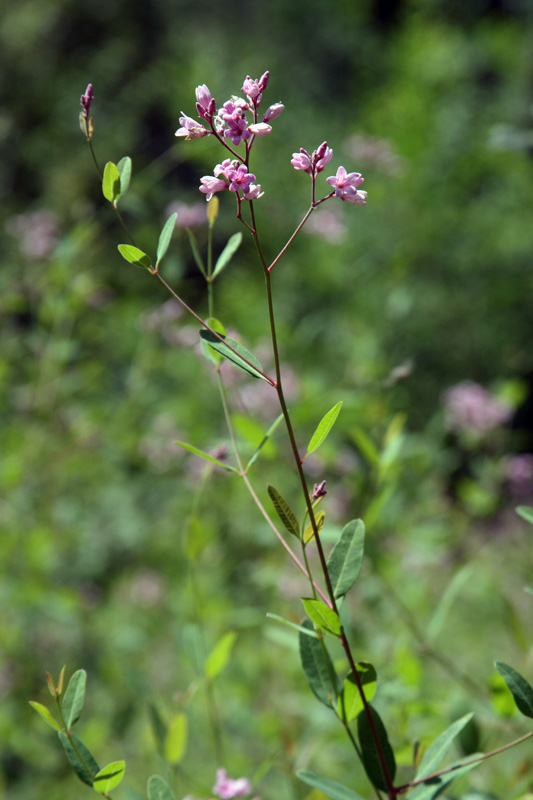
{"x": 105, "y": 538}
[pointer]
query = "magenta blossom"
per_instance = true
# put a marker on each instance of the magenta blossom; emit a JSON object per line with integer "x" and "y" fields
{"x": 237, "y": 127}
{"x": 86, "y": 100}
{"x": 260, "y": 129}
{"x": 210, "y": 185}
{"x": 205, "y": 104}
{"x": 226, "y": 168}
{"x": 319, "y": 490}
{"x": 190, "y": 128}
{"x": 228, "y": 788}
{"x": 315, "y": 163}
{"x": 346, "y": 186}
{"x": 241, "y": 179}
{"x": 273, "y": 111}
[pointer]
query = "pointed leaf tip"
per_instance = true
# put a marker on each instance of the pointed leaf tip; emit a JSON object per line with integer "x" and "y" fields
{"x": 134, "y": 255}
{"x": 165, "y": 237}
{"x": 521, "y": 690}
{"x": 324, "y": 427}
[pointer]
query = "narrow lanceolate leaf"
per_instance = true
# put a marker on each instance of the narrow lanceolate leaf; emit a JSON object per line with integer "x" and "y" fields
{"x": 350, "y": 703}
{"x": 239, "y": 356}
{"x": 157, "y": 789}
{"x": 309, "y": 533}
{"x": 323, "y": 616}
{"x": 434, "y": 787}
{"x": 526, "y": 512}
{"x": 317, "y": 666}
{"x": 196, "y": 253}
{"x": 124, "y": 171}
{"x": 219, "y": 656}
{"x": 344, "y": 562}
{"x": 324, "y": 426}
{"x": 176, "y": 739}
{"x": 46, "y": 714}
{"x": 438, "y": 750}
{"x": 109, "y": 777}
{"x": 300, "y": 628}
{"x": 191, "y": 449}
{"x": 80, "y": 758}
{"x": 371, "y": 759}
{"x": 134, "y": 255}
{"x": 159, "y": 729}
{"x": 330, "y": 788}
{"x": 111, "y": 183}
{"x": 164, "y": 237}
{"x": 228, "y": 253}
{"x": 74, "y": 697}
{"x": 521, "y": 690}
{"x": 264, "y": 440}
{"x": 207, "y": 351}
{"x": 284, "y": 511}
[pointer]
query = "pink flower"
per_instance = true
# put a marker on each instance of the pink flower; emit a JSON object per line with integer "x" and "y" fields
{"x": 241, "y": 179}
{"x": 315, "y": 163}
{"x": 253, "y": 192}
{"x": 228, "y": 788}
{"x": 210, "y": 185}
{"x": 260, "y": 129}
{"x": 205, "y": 105}
{"x": 251, "y": 89}
{"x": 322, "y": 156}
{"x": 302, "y": 160}
{"x": 345, "y": 183}
{"x": 237, "y": 127}
{"x": 190, "y": 128}
{"x": 272, "y": 112}
{"x": 469, "y": 407}
{"x": 226, "y": 168}
{"x": 86, "y": 100}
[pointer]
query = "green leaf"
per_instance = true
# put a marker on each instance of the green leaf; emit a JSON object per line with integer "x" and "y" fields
{"x": 331, "y": 788}
{"x": 284, "y": 511}
{"x": 159, "y": 729}
{"x": 526, "y": 512}
{"x": 196, "y": 253}
{"x": 446, "y": 600}
{"x": 300, "y": 628}
{"x": 111, "y": 183}
{"x": 124, "y": 171}
{"x": 366, "y": 446}
{"x": 134, "y": 255}
{"x": 323, "y": 616}
{"x": 344, "y": 561}
{"x": 157, "y": 789}
{"x": 371, "y": 760}
{"x": 176, "y": 739}
{"x": 324, "y": 426}
{"x": 46, "y": 714}
{"x": 227, "y": 253}
{"x": 350, "y": 704}
{"x": 437, "y": 751}
{"x": 519, "y": 688}
{"x": 434, "y": 787}
{"x": 309, "y": 534}
{"x": 317, "y": 666}
{"x": 164, "y": 238}
{"x": 191, "y": 449}
{"x": 109, "y": 777}
{"x": 251, "y": 365}
{"x": 207, "y": 351}
{"x": 264, "y": 440}
{"x": 80, "y": 758}
{"x": 74, "y": 697}
{"x": 219, "y": 656}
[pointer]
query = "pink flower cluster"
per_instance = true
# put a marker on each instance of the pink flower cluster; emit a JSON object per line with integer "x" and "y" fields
{"x": 344, "y": 183}
{"x": 228, "y": 788}
{"x": 470, "y": 407}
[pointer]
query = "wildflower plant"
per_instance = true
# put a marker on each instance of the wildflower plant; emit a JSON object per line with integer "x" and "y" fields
{"x": 238, "y": 125}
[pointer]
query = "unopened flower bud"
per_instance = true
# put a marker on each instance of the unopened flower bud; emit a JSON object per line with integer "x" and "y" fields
{"x": 260, "y": 129}
{"x": 319, "y": 491}
{"x": 263, "y": 81}
{"x": 272, "y": 112}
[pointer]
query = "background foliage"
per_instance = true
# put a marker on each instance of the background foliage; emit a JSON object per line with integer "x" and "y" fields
{"x": 105, "y": 538}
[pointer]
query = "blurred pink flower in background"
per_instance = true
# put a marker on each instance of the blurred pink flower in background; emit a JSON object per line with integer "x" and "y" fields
{"x": 327, "y": 223}
{"x": 470, "y": 407}
{"x": 369, "y": 150}
{"x": 519, "y": 474}
{"x": 228, "y": 788}
{"x": 189, "y": 216}
{"x": 36, "y": 232}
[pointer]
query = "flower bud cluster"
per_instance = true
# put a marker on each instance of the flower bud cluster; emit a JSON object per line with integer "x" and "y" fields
{"x": 345, "y": 184}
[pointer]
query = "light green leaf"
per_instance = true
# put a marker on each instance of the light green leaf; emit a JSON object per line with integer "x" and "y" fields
{"x": 264, "y": 440}
{"x": 191, "y": 449}
{"x": 300, "y": 628}
{"x": 526, "y": 512}
{"x": 242, "y": 358}
{"x": 73, "y": 700}
{"x": 228, "y": 253}
{"x": 437, "y": 751}
{"x": 521, "y": 690}
{"x": 324, "y": 426}
{"x": 284, "y": 511}
{"x": 157, "y": 789}
{"x": 196, "y": 253}
{"x": 176, "y": 739}
{"x": 124, "y": 171}
{"x": 344, "y": 561}
{"x": 80, "y": 758}
{"x": 109, "y": 777}
{"x": 366, "y": 446}
{"x": 207, "y": 351}
{"x": 219, "y": 656}
{"x": 350, "y": 704}
{"x": 323, "y": 616}
{"x": 309, "y": 533}
{"x": 46, "y": 714}
{"x": 111, "y": 183}
{"x": 134, "y": 255}
{"x": 331, "y": 788}
{"x": 434, "y": 787}
{"x": 446, "y": 601}
{"x": 317, "y": 666}
{"x": 371, "y": 759}
{"x": 164, "y": 238}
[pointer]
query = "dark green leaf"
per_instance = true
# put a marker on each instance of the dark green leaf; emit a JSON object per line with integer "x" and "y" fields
{"x": 324, "y": 426}
{"x": 434, "y": 787}
{"x": 111, "y": 183}
{"x": 331, "y": 788}
{"x": 242, "y": 358}
{"x": 46, "y": 714}
{"x": 323, "y": 616}
{"x": 207, "y": 351}
{"x": 437, "y": 751}
{"x": 74, "y": 697}
{"x": 191, "y": 449}
{"x": 344, "y": 562}
{"x": 124, "y": 171}
{"x": 317, "y": 666}
{"x": 350, "y": 704}
{"x": 164, "y": 237}
{"x": 80, "y": 758}
{"x": 227, "y": 253}
{"x": 284, "y": 511}
{"x": 371, "y": 759}
{"x": 109, "y": 777}
{"x": 521, "y": 690}
{"x": 134, "y": 255}
{"x": 265, "y": 439}
{"x": 158, "y": 790}
{"x": 300, "y": 628}
{"x": 526, "y": 512}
